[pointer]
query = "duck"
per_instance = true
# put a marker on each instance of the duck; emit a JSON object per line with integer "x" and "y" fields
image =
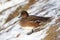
{"x": 30, "y": 22}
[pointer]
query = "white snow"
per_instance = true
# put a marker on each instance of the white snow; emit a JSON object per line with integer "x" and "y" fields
{"x": 10, "y": 4}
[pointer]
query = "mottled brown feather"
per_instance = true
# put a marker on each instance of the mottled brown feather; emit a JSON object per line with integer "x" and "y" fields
{"x": 32, "y": 21}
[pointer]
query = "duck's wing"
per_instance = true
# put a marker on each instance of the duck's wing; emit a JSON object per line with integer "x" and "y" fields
{"x": 33, "y": 19}
{"x": 39, "y": 19}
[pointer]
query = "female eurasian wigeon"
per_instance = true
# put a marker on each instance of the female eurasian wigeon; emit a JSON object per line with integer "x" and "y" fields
{"x": 30, "y": 21}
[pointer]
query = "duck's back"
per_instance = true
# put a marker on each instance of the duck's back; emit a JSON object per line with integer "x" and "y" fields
{"x": 37, "y": 18}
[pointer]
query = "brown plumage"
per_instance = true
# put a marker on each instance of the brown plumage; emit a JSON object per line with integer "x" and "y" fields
{"x": 32, "y": 21}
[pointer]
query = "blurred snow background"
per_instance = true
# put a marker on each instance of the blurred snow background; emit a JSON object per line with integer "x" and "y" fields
{"x": 10, "y": 28}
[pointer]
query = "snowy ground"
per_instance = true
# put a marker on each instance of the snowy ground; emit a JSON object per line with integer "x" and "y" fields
{"x": 12, "y": 29}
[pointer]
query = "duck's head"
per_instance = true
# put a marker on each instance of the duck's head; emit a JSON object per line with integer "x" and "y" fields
{"x": 24, "y": 14}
